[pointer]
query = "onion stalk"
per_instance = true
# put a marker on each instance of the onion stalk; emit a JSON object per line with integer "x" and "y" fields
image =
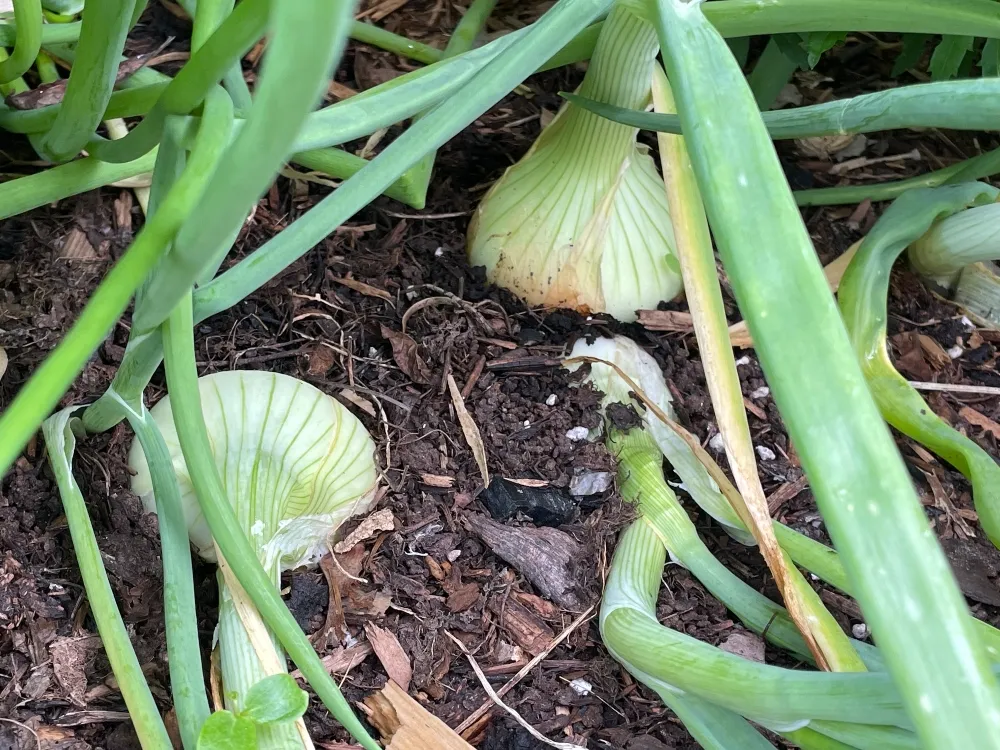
{"x": 863, "y": 294}
{"x": 582, "y": 220}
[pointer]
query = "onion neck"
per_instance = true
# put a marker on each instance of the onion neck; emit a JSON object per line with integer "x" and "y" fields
{"x": 242, "y": 668}
{"x": 619, "y": 73}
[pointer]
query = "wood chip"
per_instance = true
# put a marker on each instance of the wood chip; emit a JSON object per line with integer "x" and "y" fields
{"x": 551, "y": 559}
{"x": 463, "y": 597}
{"x": 342, "y": 660}
{"x": 936, "y": 355}
{"x": 785, "y": 493}
{"x": 380, "y": 520}
{"x": 406, "y": 725}
{"x": 366, "y": 289}
{"x": 979, "y": 419}
{"x": 469, "y": 429}
{"x": 437, "y": 480}
{"x": 390, "y": 652}
{"x": 359, "y": 401}
{"x": 123, "y": 211}
{"x": 76, "y": 246}
{"x": 523, "y": 626}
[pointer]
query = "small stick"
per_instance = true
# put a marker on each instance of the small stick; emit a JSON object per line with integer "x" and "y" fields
{"x": 483, "y": 709}
{"x": 982, "y": 390}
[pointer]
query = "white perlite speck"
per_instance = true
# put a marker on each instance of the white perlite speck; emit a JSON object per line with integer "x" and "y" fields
{"x": 551, "y": 400}
{"x": 860, "y": 630}
{"x": 716, "y": 443}
{"x": 744, "y": 360}
{"x": 581, "y": 686}
{"x": 761, "y": 392}
{"x": 577, "y": 434}
{"x": 765, "y": 453}
{"x": 955, "y": 352}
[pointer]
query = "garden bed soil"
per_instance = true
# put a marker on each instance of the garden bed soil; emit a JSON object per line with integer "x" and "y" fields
{"x": 336, "y": 319}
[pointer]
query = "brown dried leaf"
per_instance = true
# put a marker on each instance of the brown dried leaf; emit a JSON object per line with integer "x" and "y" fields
{"x": 340, "y": 572}
{"x": 389, "y": 651}
{"x": 742, "y": 643}
{"x": 404, "y": 352}
{"x": 912, "y": 359}
{"x": 380, "y": 520}
{"x": 469, "y": 429}
{"x": 342, "y": 660}
{"x": 406, "y": 725}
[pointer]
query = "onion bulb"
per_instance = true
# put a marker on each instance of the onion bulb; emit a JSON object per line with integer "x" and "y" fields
{"x": 582, "y": 220}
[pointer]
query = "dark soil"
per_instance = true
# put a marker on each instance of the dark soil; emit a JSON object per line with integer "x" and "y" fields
{"x": 431, "y": 573}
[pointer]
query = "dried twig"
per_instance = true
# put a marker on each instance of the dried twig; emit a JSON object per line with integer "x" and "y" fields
{"x": 496, "y": 699}
{"x": 483, "y": 709}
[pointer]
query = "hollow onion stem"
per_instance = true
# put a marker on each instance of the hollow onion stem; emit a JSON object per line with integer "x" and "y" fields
{"x": 863, "y": 294}
{"x": 60, "y": 442}
{"x": 208, "y": 64}
{"x": 102, "y": 38}
{"x": 187, "y": 681}
{"x": 27, "y": 42}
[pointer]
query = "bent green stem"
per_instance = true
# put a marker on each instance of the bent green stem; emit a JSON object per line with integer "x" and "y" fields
{"x": 863, "y": 297}
{"x": 102, "y": 38}
{"x": 765, "y": 694}
{"x": 60, "y": 442}
{"x": 209, "y": 63}
{"x": 27, "y": 42}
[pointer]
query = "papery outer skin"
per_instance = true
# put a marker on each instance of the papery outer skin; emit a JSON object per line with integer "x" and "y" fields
{"x": 582, "y": 220}
{"x": 290, "y": 457}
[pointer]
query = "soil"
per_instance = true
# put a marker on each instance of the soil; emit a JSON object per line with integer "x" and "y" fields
{"x": 336, "y": 319}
